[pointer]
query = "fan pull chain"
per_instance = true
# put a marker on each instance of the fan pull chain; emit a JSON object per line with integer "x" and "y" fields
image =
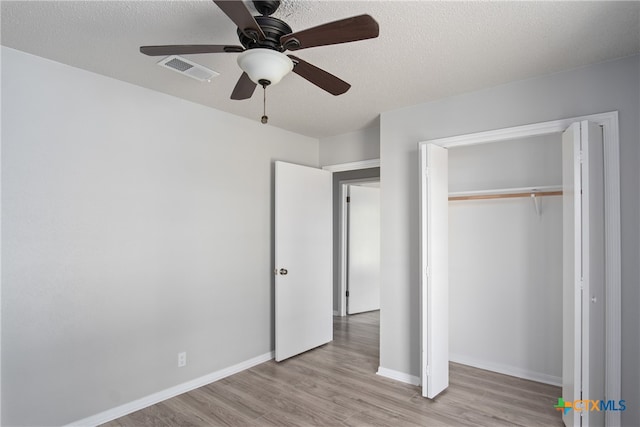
{"x": 264, "y": 118}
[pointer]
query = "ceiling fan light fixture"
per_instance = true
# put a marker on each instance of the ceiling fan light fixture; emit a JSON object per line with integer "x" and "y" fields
{"x": 265, "y": 64}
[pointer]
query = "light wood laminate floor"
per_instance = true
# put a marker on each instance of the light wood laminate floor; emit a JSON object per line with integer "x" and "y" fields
{"x": 336, "y": 385}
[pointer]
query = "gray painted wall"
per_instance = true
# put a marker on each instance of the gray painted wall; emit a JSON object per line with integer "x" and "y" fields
{"x": 134, "y": 226}
{"x": 598, "y": 88}
{"x": 363, "y": 144}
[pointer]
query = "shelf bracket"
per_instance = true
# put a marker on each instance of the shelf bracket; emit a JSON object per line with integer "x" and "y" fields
{"x": 537, "y": 204}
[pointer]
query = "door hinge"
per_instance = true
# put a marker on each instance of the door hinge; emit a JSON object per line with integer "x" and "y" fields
{"x": 580, "y": 156}
{"x": 428, "y": 370}
{"x": 347, "y": 294}
{"x": 427, "y": 271}
{"x": 426, "y": 171}
{"x": 348, "y": 199}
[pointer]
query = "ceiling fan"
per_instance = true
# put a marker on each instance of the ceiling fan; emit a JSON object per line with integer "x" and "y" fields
{"x": 265, "y": 38}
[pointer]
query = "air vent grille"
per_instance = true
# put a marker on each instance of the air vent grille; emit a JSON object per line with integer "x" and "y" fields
{"x": 178, "y": 64}
{"x": 188, "y": 68}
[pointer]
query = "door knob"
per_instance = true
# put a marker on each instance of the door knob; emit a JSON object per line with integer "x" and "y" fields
{"x": 283, "y": 271}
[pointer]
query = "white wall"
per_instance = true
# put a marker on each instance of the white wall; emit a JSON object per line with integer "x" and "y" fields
{"x": 134, "y": 226}
{"x": 363, "y": 144}
{"x": 505, "y": 260}
{"x": 598, "y": 88}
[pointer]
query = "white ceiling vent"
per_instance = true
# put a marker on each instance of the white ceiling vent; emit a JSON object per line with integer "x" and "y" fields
{"x": 188, "y": 68}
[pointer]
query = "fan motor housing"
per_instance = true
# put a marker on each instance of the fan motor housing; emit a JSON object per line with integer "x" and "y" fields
{"x": 273, "y": 29}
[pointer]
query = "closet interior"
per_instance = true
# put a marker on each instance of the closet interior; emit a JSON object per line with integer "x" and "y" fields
{"x": 505, "y": 257}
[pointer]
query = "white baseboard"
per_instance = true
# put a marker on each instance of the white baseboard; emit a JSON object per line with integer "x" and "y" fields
{"x": 398, "y": 376}
{"x": 506, "y": 369}
{"x": 152, "y": 399}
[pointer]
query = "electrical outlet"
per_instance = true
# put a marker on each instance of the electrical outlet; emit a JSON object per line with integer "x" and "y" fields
{"x": 182, "y": 359}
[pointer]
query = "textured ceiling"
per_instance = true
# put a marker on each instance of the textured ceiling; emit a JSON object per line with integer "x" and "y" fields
{"x": 427, "y": 50}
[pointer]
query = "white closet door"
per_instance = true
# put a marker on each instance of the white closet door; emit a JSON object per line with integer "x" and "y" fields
{"x": 364, "y": 249}
{"x": 572, "y": 272}
{"x": 593, "y": 302}
{"x": 583, "y": 363}
{"x": 303, "y": 257}
{"x": 434, "y": 262}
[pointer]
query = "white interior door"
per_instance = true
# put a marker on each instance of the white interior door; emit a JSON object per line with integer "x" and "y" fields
{"x": 303, "y": 259}
{"x": 434, "y": 262}
{"x": 583, "y": 364}
{"x": 363, "y": 277}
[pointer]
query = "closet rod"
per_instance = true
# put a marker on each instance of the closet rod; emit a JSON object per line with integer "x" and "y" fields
{"x": 506, "y": 195}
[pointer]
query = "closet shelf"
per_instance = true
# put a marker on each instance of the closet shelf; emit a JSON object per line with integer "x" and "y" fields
{"x": 505, "y": 193}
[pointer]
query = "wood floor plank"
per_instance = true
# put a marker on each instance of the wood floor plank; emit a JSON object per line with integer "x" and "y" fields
{"x": 211, "y": 408}
{"x": 285, "y": 400}
{"x": 225, "y": 397}
{"x": 336, "y": 385}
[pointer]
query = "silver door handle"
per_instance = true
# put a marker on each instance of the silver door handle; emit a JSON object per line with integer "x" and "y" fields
{"x": 283, "y": 271}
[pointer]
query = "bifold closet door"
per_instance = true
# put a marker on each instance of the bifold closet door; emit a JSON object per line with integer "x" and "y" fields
{"x": 593, "y": 301}
{"x": 572, "y": 271}
{"x": 434, "y": 263}
{"x": 583, "y": 357}
{"x": 303, "y": 259}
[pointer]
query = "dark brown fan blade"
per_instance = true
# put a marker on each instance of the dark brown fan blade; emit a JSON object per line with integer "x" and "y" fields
{"x": 360, "y": 27}
{"x": 237, "y": 11}
{"x": 244, "y": 88}
{"x": 319, "y": 77}
{"x": 187, "y": 49}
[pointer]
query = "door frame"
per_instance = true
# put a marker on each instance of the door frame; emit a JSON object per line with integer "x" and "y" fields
{"x": 609, "y": 123}
{"x": 342, "y": 223}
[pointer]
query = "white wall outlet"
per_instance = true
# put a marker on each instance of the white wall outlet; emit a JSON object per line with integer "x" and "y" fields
{"x": 182, "y": 359}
